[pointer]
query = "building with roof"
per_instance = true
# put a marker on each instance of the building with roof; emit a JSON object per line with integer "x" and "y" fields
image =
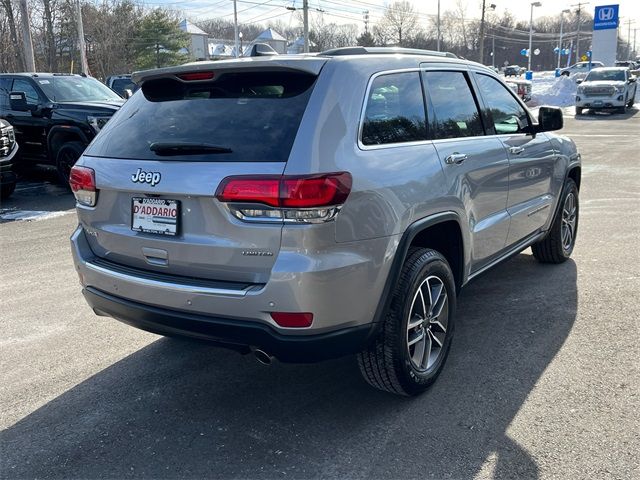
{"x": 273, "y": 39}
{"x": 199, "y": 46}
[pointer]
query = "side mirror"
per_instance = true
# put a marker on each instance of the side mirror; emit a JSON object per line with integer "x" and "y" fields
{"x": 18, "y": 102}
{"x": 550, "y": 119}
{"x": 633, "y": 79}
{"x": 579, "y": 81}
{"x": 127, "y": 93}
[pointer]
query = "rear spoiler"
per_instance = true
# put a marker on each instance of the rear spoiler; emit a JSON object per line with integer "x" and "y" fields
{"x": 305, "y": 64}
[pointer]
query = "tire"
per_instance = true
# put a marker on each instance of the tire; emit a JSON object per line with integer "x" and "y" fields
{"x": 578, "y": 110}
{"x": 566, "y": 74}
{"x": 556, "y": 247}
{"x": 6, "y": 190}
{"x": 632, "y": 100}
{"x": 389, "y": 363}
{"x": 66, "y": 158}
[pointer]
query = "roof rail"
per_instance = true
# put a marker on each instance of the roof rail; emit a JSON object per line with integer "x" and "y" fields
{"x": 335, "y": 52}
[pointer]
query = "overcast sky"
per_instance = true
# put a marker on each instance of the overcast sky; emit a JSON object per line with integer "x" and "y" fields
{"x": 351, "y": 11}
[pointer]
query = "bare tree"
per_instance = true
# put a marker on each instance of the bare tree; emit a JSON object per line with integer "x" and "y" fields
{"x": 399, "y": 22}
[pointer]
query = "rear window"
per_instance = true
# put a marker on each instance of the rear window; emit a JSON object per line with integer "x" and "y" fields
{"x": 251, "y": 116}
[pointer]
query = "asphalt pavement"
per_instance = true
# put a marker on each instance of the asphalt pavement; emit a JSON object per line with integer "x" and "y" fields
{"x": 543, "y": 380}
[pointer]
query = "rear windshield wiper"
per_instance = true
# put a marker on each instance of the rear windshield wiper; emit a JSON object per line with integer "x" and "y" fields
{"x": 182, "y": 148}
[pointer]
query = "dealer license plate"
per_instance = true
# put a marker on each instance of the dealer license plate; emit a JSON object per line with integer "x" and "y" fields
{"x": 155, "y": 215}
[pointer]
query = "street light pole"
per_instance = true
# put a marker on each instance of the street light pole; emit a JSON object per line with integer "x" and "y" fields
{"x": 482, "y": 28}
{"x": 533, "y": 4}
{"x": 560, "y": 42}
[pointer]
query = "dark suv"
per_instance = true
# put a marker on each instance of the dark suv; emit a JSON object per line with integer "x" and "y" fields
{"x": 55, "y": 116}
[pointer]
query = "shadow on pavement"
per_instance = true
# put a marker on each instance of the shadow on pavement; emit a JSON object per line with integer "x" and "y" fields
{"x": 181, "y": 409}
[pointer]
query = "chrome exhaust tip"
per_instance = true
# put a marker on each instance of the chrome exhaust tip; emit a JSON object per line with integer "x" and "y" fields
{"x": 263, "y": 357}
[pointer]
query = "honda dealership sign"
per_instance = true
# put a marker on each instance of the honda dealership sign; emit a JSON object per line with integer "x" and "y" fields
{"x": 606, "y": 17}
{"x": 605, "y": 34}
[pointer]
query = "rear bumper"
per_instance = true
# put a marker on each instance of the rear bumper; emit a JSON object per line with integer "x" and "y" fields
{"x": 230, "y": 332}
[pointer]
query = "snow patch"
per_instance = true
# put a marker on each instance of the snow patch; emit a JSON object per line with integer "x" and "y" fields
{"x": 30, "y": 215}
{"x": 551, "y": 90}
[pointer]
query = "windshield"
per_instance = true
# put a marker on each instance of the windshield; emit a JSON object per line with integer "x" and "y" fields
{"x": 237, "y": 117}
{"x": 606, "y": 76}
{"x": 75, "y": 89}
{"x": 121, "y": 84}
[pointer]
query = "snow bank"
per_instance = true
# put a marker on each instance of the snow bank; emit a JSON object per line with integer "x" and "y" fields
{"x": 549, "y": 90}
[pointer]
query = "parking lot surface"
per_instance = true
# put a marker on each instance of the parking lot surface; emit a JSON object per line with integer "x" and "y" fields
{"x": 543, "y": 379}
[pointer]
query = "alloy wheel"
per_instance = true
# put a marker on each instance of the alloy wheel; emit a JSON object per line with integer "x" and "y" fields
{"x": 428, "y": 323}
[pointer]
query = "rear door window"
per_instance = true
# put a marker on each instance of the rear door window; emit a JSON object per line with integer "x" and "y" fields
{"x": 20, "y": 85}
{"x": 395, "y": 110}
{"x": 455, "y": 112}
{"x": 501, "y": 107}
{"x": 237, "y": 117}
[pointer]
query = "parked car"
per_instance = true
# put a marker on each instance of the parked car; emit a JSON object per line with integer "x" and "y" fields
{"x": 54, "y": 115}
{"x": 302, "y": 207}
{"x": 522, "y": 88}
{"x": 634, "y": 67}
{"x": 513, "y": 71}
{"x": 581, "y": 68}
{"x": 8, "y": 150}
{"x": 122, "y": 85}
{"x": 606, "y": 88}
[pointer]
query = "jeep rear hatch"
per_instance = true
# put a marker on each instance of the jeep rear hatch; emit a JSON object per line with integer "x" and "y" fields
{"x": 166, "y": 152}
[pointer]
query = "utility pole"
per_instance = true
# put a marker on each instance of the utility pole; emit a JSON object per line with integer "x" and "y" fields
{"x": 635, "y": 51}
{"x": 560, "y": 41}
{"x": 30, "y": 64}
{"x": 305, "y": 20}
{"x": 83, "y": 48}
{"x": 438, "y": 47}
{"x": 235, "y": 28}
{"x": 481, "y": 55}
{"x": 530, "y": 53}
{"x": 482, "y": 28}
{"x": 365, "y": 17}
{"x": 493, "y": 51}
{"x": 629, "y": 22}
{"x": 579, "y": 12}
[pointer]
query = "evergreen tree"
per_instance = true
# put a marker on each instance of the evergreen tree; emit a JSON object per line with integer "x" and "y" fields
{"x": 160, "y": 42}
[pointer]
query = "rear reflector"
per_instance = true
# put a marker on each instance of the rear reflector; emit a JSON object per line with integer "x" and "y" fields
{"x": 82, "y": 181}
{"x": 308, "y": 191}
{"x": 293, "y": 320}
{"x": 194, "y": 76}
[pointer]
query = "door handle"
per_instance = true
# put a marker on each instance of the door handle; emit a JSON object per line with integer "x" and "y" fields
{"x": 516, "y": 150}
{"x": 455, "y": 158}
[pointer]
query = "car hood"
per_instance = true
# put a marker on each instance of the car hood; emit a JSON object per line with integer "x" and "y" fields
{"x": 603, "y": 83}
{"x": 105, "y": 107}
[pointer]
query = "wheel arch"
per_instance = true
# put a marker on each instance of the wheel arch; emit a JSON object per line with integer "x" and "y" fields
{"x": 59, "y": 135}
{"x": 433, "y": 232}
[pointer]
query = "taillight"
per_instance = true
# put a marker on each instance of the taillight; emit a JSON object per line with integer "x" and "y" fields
{"x": 82, "y": 181}
{"x": 307, "y": 198}
{"x": 293, "y": 319}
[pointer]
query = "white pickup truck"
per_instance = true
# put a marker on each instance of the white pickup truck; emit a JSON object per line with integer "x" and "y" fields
{"x": 606, "y": 88}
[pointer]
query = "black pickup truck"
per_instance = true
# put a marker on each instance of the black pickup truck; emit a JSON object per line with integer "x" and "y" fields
{"x": 55, "y": 116}
{"x": 8, "y": 150}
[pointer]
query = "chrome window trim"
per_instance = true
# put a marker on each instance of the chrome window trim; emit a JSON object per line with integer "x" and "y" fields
{"x": 363, "y": 110}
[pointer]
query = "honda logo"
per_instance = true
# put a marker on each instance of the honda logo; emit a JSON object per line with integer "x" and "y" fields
{"x": 606, "y": 14}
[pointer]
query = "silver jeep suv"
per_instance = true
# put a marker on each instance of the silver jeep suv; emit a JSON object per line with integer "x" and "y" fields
{"x": 308, "y": 207}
